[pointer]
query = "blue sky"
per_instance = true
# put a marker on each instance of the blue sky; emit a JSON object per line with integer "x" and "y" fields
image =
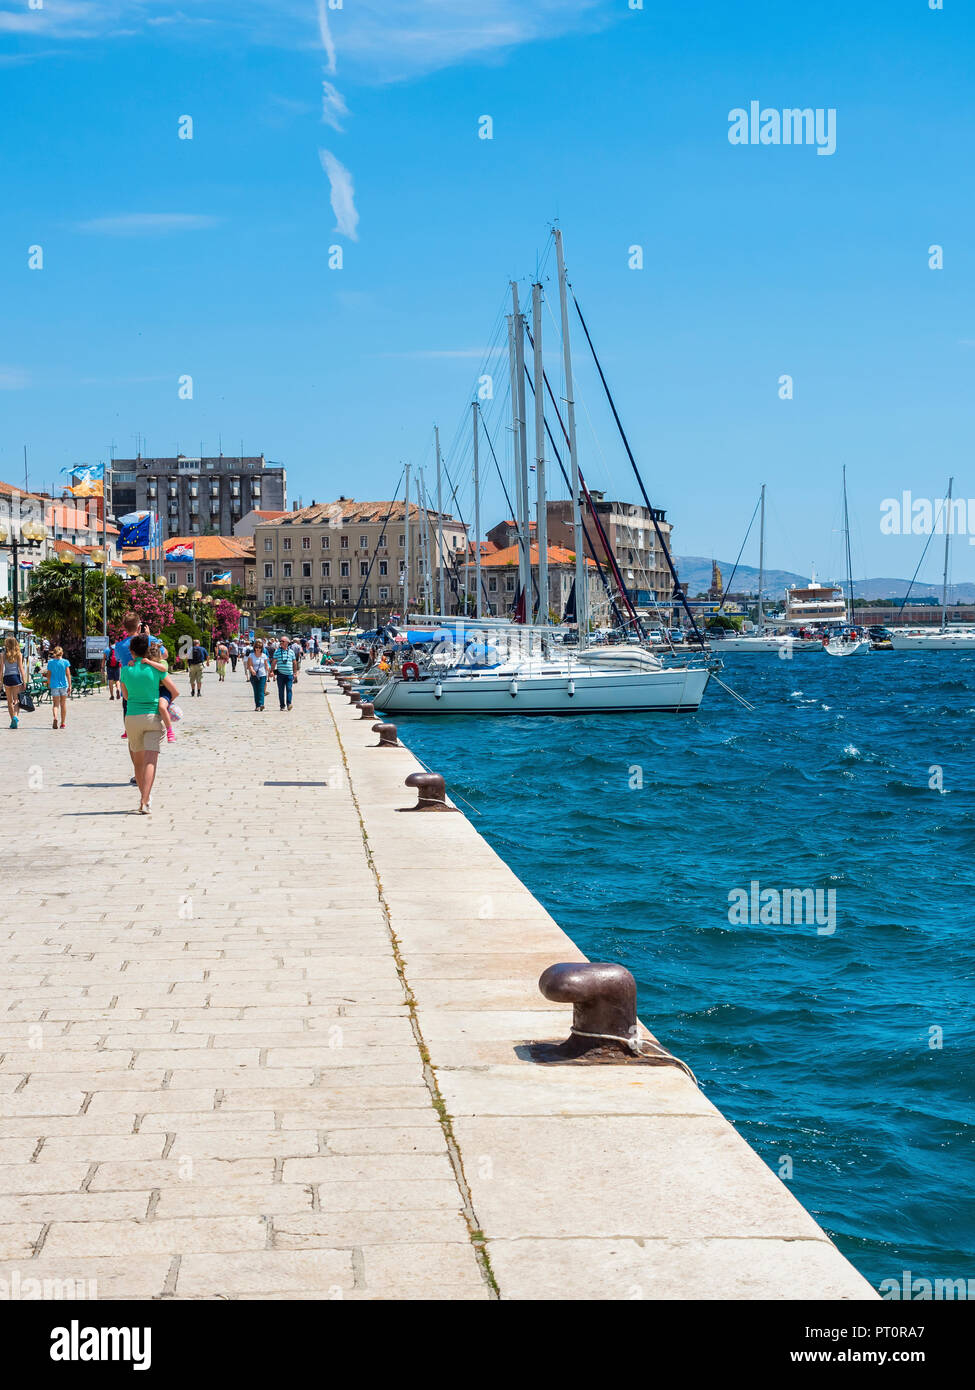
{"x": 210, "y": 256}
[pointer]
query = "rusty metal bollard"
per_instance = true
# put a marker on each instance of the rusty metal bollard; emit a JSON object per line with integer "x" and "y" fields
{"x": 387, "y": 736}
{"x": 431, "y": 792}
{"x": 354, "y": 697}
{"x": 367, "y": 710}
{"x": 604, "y": 1026}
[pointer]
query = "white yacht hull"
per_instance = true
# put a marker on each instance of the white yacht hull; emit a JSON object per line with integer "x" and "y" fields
{"x": 669, "y": 690}
{"x": 933, "y": 641}
{"x": 836, "y": 648}
{"x": 761, "y": 645}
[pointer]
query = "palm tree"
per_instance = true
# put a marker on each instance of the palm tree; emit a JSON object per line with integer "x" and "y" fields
{"x": 53, "y": 603}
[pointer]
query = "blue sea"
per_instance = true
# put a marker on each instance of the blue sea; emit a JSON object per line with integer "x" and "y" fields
{"x": 849, "y": 1051}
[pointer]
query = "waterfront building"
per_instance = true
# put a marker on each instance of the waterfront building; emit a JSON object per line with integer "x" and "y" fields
{"x": 195, "y": 496}
{"x": 632, "y": 538}
{"x": 335, "y": 555}
{"x": 248, "y": 524}
{"x": 499, "y": 579}
{"x": 213, "y": 557}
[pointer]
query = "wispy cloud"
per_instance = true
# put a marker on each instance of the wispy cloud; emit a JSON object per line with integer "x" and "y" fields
{"x": 333, "y": 106}
{"x": 328, "y": 43}
{"x": 380, "y": 40}
{"x": 149, "y": 223}
{"x": 13, "y": 379}
{"x": 343, "y": 195}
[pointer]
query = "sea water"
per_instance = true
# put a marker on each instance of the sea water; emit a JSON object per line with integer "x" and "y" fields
{"x": 844, "y": 1053}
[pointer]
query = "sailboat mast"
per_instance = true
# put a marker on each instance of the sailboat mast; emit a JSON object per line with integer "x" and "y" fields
{"x": 521, "y": 521}
{"x": 406, "y": 547}
{"x": 542, "y": 500}
{"x": 761, "y": 564}
{"x": 849, "y": 562}
{"x": 425, "y": 545}
{"x": 944, "y": 584}
{"x": 523, "y": 449}
{"x": 440, "y": 576}
{"x": 582, "y": 590}
{"x": 477, "y": 510}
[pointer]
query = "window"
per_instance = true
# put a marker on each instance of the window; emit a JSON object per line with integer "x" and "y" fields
{"x": 286, "y": 571}
{"x": 268, "y": 543}
{"x": 326, "y": 569}
{"x": 268, "y": 597}
{"x": 509, "y": 583}
{"x": 381, "y": 543}
{"x": 492, "y": 585}
{"x": 384, "y": 567}
{"x": 306, "y": 570}
{"x": 344, "y": 595}
{"x": 363, "y": 568}
{"x": 345, "y": 569}
{"x": 383, "y": 594}
{"x": 402, "y": 542}
{"x": 326, "y": 595}
{"x": 324, "y": 540}
{"x": 306, "y": 596}
{"x": 344, "y": 542}
{"x": 171, "y": 579}
{"x": 402, "y": 566}
{"x": 269, "y": 571}
{"x": 363, "y": 542}
{"x": 286, "y": 543}
{"x": 289, "y": 596}
{"x": 306, "y": 542}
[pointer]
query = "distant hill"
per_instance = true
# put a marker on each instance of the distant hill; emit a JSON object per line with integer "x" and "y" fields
{"x": 695, "y": 573}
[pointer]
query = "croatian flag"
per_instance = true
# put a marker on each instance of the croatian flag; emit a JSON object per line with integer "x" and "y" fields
{"x": 180, "y": 554}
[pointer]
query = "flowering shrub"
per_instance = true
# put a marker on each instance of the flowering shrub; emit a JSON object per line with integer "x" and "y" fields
{"x": 152, "y": 607}
{"x": 226, "y": 620}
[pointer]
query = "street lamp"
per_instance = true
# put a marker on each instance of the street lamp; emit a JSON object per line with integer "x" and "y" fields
{"x": 32, "y": 535}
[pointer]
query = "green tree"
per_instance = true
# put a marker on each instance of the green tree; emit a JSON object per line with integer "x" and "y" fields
{"x": 179, "y": 636}
{"x": 53, "y": 602}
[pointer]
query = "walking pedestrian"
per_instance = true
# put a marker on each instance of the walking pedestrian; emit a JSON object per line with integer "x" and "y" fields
{"x": 111, "y": 671}
{"x": 234, "y": 654}
{"x": 59, "y": 684}
{"x": 283, "y": 666}
{"x": 223, "y": 656}
{"x": 258, "y": 668}
{"x": 14, "y": 677}
{"x": 130, "y": 627}
{"x": 199, "y": 657}
{"x": 140, "y": 686}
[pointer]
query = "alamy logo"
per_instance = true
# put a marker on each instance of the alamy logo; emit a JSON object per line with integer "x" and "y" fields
{"x": 77, "y": 1343}
{"x": 793, "y": 125}
{"x": 908, "y": 515}
{"x": 783, "y": 907}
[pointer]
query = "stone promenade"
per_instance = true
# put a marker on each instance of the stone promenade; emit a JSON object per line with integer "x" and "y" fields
{"x": 269, "y": 1043}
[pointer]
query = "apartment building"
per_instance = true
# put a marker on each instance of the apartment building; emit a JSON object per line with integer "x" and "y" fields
{"x": 197, "y": 495}
{"x": 334, "y": 555}
{"x": 632, "y": 539}
{"x": 499, "y": 580}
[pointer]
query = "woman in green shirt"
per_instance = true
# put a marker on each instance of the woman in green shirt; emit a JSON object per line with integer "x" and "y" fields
{"x": 143, "y": 725}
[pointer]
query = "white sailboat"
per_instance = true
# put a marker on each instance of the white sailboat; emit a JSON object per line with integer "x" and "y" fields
{"x": 538, "y": 676}
{"x": 845, "y": 643}
{"x": 945, "y": 639}
{"x": 762, "y": 640}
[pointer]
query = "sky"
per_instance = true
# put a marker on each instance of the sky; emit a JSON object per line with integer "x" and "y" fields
{"x": 318, "y": 124}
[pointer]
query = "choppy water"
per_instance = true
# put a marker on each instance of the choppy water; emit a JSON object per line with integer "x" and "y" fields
{"x": 816, "y": 1045}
